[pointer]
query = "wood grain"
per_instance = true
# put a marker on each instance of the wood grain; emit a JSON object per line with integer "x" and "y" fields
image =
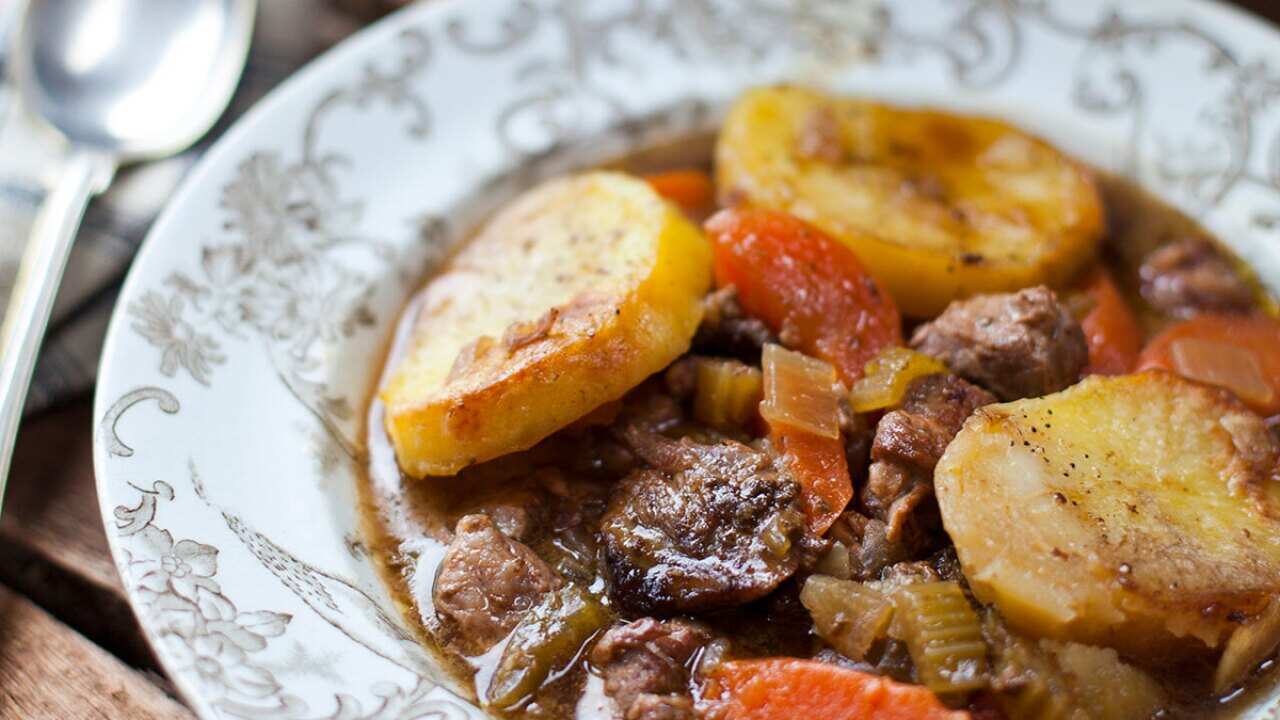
{"x": 55, "y": 550}
{"x": 49, "y": 672}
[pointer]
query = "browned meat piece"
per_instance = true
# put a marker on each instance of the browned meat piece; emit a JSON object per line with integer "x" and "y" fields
{"x": 727, "y": 330}
{"x": 704, "y": 526}
{"x": 857, "y": 433}
{"x": 867, "y": 539}
{"x": 485, "y": 584}
{"x": 681, "y": 378}
{"x": 1189, "y": 277}
{"x": 1016, "y": 345}
{"x": 645, "y": 665}
{"x": 908, "y": 573}
{"x": 909, "y": 442}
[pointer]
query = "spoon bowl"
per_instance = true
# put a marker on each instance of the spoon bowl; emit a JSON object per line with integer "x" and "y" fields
{"x": 122, "y": 80}
{"x": 134, "y": 79}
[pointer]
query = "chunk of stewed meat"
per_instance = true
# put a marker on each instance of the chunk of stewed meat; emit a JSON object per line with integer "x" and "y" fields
{"x": 727, "y": 330}
{"x": 485, "y": 584}
{"x": 908, "y": 443}
{"x": 1016, "y": 345}
{"x": 645, "y": 665}
{"x": 703, "y": 526}
{"x": 1191, "y": 276}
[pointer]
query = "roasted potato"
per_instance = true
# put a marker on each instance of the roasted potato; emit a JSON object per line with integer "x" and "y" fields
{"x": 568, "y": 298}
{"x": 937, "y": 205}
{"x": 1139, "y": 512}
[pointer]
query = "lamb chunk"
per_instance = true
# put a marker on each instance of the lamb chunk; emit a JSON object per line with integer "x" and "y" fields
{"x": 858, "y": 434}
{"x": 1190, "y": 277}
{"x": 909, "y": 442}
{"x": 485, "y": 584}
{"x": 1016, "y": 345}
{"x": 704, "y": 526}
{"x": 645, "y": 665}
{"x": 908, "y": 573}
{"x": 681, "y": 378}
{"x": 728, "y": 331}
{"x": 868, "y": 543}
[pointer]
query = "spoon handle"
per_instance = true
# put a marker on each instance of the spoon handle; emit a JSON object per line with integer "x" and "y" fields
{"x": 85, "y": 175}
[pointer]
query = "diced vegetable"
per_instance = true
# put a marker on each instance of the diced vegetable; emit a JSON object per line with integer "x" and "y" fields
{"x": 692, "y": 190}
{"x": 786, "y": 688}
{"x": 579, "y": 274}
{"x": 1078, "y": 513}
{"x": 1103, "y": 686}
{"x": 807, "y": 287}
{"x": 937, "y": 205}
{"x": 547, "y": 639}
{"x": 1038, "y": 690}
{"x": 943, "y": 634}
{"x": 1239, "y": 353}
{"x": 887, "y": 377}
{"x": 802, "y": 407}
{"x": 1249, "y": 645}
{"x": 1052, "y": 680}
{"x": 836, "y": 561}
{"x": 1110, "y": 329}
{"x": 850, "y": 616}
{"x": 728, "y": 393}
{"x": 800, "y": 392}
{"x": 819, "y": 465}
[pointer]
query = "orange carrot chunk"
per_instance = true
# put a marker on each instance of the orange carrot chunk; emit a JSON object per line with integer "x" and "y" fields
{"x": 1110, "y": 328}
{"x": 804, "y": 285}
{"x": 785, "y": 688}
{"x": 692, "y": 190}
{"x": 818, "y": 464}
{"x": 1239, "y": 353}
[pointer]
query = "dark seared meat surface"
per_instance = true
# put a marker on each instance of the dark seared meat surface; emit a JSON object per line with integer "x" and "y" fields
{"x": 728, "y": 331}
{"x": 703, "y": 526}
{"x": 909, "y": 442}
{"x": 1190, "y": 277}
{"x": 485, "y": 584}
{"x": 645, "y": 665}
{"x": 1022, "y": 344}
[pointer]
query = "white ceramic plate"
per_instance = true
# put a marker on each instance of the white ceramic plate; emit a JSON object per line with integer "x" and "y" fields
{"x": 250, "y": 331}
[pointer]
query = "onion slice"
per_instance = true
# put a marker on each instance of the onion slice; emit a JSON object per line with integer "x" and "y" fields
{"x": 800, "y": 392}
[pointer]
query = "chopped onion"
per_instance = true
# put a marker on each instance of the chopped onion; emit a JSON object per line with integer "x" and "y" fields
{"x": 850, "y": 616}
{"x": 1229, "y": 366}
{"x": 887, "y": 377}
{"x": 800, "y": 392}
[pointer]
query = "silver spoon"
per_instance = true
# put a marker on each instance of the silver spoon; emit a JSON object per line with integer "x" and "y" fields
{"x": 123, "y": 81}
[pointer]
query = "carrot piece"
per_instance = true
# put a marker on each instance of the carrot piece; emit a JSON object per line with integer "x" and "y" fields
{"x": 1110, "y": 328}
{"x": 782, "y": 688}
{"x": 818, "y": 464}
{"x": 804, "y": 285}
{"x": 1240, "y": 353}
{"x": 692, "y": 190}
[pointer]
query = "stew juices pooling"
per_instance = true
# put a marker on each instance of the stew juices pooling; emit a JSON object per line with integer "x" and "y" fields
{"x": 691, "y": 551}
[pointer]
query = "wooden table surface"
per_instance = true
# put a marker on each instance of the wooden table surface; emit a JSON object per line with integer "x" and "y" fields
{"x": 69, "y": 645}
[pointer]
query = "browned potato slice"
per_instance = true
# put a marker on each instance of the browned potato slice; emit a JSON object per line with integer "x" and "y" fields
{"x": 568, "y": 298}
{"x": 937, "y": 205}
{"x": 1140, "y": 512}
